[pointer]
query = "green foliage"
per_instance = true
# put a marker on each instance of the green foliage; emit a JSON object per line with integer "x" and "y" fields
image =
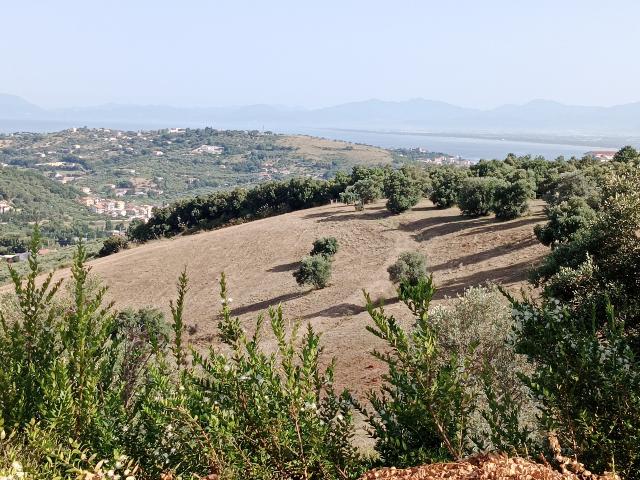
{"x": 422, "y": 412}
{"x": 314, "y": 270}
{"x": 478, "y": 327}
{"x": 402, "y": 192}
{"x": 368, "y": 190}
{"x": 327, "y": 246}
{"x": 626, "y": 154}
{"x": 582, "y": 184}
{"x": 446, "y": 184}
{"x": 70, "y": 370}
{"x": 248, "y": 412}
{"x": 583, "y": 336}
{"x": 512, "y": 199}
{"x": 586, "y": 382}
{"x": 113, "y": 245}
{"x": 565, "y": 220}
{"x": 410, "y": 268}
{"x": 476, "y": 195}
{"x": 610, "y": 244}
{"x": 349, "y": 196}
{"x": 234, "y": 206}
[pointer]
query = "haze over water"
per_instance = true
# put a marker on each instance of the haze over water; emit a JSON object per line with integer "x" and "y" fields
{"x": 469, "y": 148}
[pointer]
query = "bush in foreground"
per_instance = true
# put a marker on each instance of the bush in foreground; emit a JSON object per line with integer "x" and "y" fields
{"x": 410, "y": 267}
{"x": 314, "y": 270}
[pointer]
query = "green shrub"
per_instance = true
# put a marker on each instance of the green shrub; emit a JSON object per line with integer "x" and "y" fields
{"x": 446, "y": 185}
{"x": 402, "y": 192}
{"x": 512, "y": 199}
{"x": 410, "y": 267}
{"x": 251, "y": 413}
{"x": 586, "y": 381}
{"x": 565, "y": 220}
{"x": 450, "y": 379}
{"x": 581, "y": 184}
{"x": 610, "y": 243}
{"x": 368, "y": 190}
{"x": 73, "y": 366}
{"x": 327, "y": 246}
{"x": 113, "y": 245}
{"x": 476, "y": 328}
{"x": 626, "y": 154}
{"x": 349, "y": 196}
{"x": 314, "y": 270}
{"x": 476, "y": 195}
{"x": 421, "y": 414}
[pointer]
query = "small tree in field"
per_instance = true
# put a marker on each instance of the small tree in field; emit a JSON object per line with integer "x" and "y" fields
{"x": 476, "y": 195}
{"x": 410, "y": 268}
{"x": 327, "y": 246}
{"x": 368, "y": 190}
{"x": 349, "y": 196}
{"x": 512, "y": 199}
{"x": 445, "y": 186}
{"x": 314, "y": 270}
{"x": 402, "y": 192}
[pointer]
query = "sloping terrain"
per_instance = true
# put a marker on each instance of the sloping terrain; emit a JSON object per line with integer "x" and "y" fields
{"x": 259, "y": 258}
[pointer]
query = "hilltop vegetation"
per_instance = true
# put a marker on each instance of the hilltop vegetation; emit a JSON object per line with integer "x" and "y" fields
{"x": 35, "y": 198}
{"x": 164, "y": 164}
{"x": 86, "y": 183}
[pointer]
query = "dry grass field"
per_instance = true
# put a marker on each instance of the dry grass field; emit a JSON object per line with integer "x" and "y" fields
{"x": 259, "y": 258}
{"x": 325, "y": 150}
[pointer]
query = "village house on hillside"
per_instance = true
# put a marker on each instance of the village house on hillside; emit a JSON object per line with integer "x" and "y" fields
{"x": 210, "y": 149}
{"x": 5, "y": 206}
{"x": 602, "y": 155}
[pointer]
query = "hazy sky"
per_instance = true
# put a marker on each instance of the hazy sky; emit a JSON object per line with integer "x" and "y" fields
{"x": 317, "y": 53}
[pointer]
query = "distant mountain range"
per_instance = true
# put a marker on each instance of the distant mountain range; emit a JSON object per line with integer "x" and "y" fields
{"x": 537, "y": 116}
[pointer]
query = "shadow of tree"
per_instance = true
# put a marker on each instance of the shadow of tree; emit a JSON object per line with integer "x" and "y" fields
{"x": 265, "y": 304}
{"x": 507, "y": 274}
{"x": 348, "y": 309}
{"x": 376, "y": 214}
{"x": 285, "y": 267}
{"x": 498, "y": 226}
{"x": 485, "y": 255}
{"x": 427, "y": 228}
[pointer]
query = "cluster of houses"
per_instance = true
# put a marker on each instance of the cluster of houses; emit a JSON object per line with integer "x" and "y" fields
{"x": 602, "y": 155}
{"x": 117, "y": 208}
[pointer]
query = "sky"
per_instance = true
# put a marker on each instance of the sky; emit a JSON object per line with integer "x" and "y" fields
{"x": 318, "y": 53}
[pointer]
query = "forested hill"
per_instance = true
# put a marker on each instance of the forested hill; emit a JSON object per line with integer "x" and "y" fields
{"x": 31, "y": 197}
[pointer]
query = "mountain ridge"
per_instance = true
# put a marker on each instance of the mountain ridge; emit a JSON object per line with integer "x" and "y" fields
{"x": 538, "y": 115}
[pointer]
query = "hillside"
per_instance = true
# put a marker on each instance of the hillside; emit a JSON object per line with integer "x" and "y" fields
{"x": 32, "y": 196}
{"x": 122, "y": 175}
{"x": 259, "y": 258}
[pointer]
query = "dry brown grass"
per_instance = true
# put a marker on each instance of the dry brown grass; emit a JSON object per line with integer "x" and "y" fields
{"x": 324, "y": 150}
{"x": 259, "y": 258}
